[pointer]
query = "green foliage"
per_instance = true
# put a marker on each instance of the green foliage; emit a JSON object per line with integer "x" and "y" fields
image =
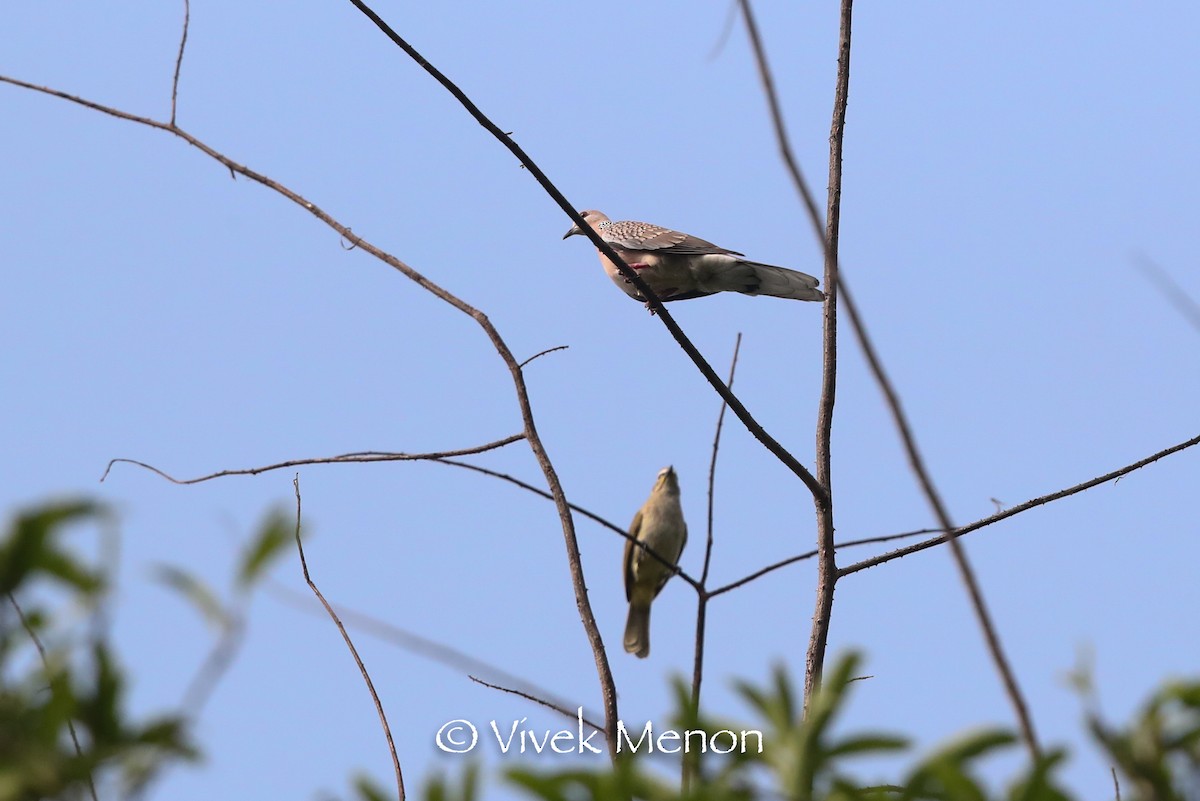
{"x": 807, "y": 759}
{"x": 274, "y": 535}
{"x": 1159, "y": 753}
{"x": 62, "y": 726}
{"x": 63, "y": 729}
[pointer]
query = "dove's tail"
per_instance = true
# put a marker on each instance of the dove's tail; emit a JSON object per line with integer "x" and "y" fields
{"x": 781, "y": 282}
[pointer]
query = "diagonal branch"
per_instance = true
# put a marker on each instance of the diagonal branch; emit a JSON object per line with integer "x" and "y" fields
{"x": 802, "y": 557}
{"x": 756, "y": 430}
{"x": 674, "y": 568}
{"x": 387, "y": 730}
{"x": 1018, "y": 509}
{"x": 562, "y": 710}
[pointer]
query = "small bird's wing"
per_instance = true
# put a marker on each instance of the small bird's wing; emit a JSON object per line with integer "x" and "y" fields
{"x": 634, "y": 528}
{"x": 668, "y": 574}
{"x": 633, "y": 235}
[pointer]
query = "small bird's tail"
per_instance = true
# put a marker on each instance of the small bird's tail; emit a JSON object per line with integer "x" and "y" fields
{"x": 637, "y": 631}
{"x": 781, "y": 282}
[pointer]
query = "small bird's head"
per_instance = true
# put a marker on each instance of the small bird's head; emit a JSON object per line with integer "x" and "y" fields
{"x": 667, "y": 481}
{"x": 593, "y": 218}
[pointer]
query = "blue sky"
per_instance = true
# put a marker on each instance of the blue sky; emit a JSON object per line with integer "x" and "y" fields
{"x": 1005, "y": 169}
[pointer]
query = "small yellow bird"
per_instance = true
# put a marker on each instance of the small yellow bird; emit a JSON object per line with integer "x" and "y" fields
{"x": 659, "y": 525}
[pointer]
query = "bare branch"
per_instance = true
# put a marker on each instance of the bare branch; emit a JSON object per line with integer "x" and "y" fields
{"x": 690, "y": 765}
{"x": 387, "y": 731}
{"x": 595, "y": 518}
{"x": 543, "y": 353}
{"x": 826, "y": 554}
{"x": 712, "y": 465}
{"x": 577, "y": 715}
{"x": 675, "y": 568}
{"x": 791, "y": 560}
{"x": 187, "y": 15}
{"x": 752, "y": 425}
{"x": 1018, "y": 509}
{"x": 360, "y": 456}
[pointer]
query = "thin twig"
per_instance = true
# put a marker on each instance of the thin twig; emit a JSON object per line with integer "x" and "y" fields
{"x": 1116, "y": 784}
{"x": 690, "y": 764}
{"x": 752, "y": 425}
{"x": 576, "y": 715}
{"x": 791, "y": 560}
{"x": 696, "y": 584}
{"x": 41, "y": 649}
{"x": 387, "y": 731}
{"x": 187, "y": 15}
{"x": 359, "y": 456}
{"x": 543, "y": 353}
{"x": 1018, "y": 509}
{"x": 712, "y": 465}
{"x": 675, "y": 568}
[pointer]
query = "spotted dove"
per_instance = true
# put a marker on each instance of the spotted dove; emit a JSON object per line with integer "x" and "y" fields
{"x": 677, "y": 266}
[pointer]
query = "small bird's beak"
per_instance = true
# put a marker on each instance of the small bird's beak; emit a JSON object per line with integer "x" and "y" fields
{"x": 574, "y": 230}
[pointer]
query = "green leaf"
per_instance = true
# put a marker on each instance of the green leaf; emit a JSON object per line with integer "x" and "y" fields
{"x": 867, "y": 743}
{"x": 275, "y": 533}
{"x": 29, "y": 547}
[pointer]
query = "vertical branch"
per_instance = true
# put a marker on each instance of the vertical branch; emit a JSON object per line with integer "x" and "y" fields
{"x": 187, "y": 16}
{"x": 826, "y": 561}
{"x": 712, "y": 465}
{"x": 702, "y": 596}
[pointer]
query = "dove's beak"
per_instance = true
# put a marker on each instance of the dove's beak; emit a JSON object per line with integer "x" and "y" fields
{"x": 574, "y": 230}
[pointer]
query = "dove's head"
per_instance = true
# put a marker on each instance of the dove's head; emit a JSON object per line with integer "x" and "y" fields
{"x": 592, "y": 217}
